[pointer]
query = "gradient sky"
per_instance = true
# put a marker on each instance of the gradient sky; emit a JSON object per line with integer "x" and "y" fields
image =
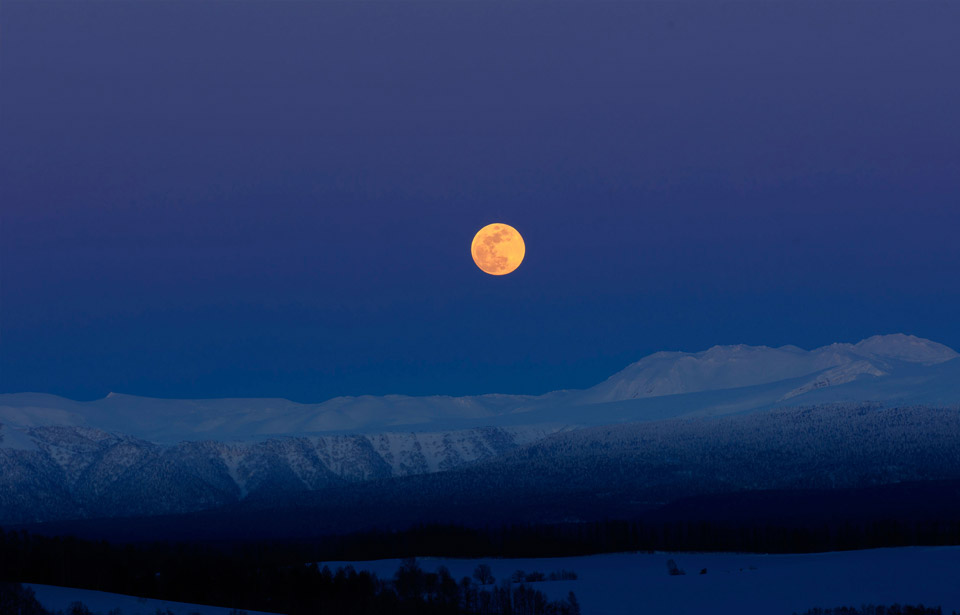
{"x": 207, "y": 199}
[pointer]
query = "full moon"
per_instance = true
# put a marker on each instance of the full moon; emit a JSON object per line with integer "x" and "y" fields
{"x": 498, "y": 249}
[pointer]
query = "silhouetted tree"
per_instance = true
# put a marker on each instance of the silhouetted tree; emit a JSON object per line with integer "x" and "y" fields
{"x": 483, "y": 575}
{"x": 78, "y": 608}
{"x": 409, "y": 580}
{"x": 19, "y": 600}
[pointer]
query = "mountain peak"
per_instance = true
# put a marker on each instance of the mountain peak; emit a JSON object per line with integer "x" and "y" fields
{"x": 740, "y": 365}
{"x": 906, "y": 348}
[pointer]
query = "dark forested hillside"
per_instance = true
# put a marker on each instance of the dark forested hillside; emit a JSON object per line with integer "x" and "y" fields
{"x": 54, "y": 473}
{"x": 637, "y": 471}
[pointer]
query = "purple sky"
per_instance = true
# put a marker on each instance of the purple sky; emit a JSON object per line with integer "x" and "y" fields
{"x": 277, "y": 199}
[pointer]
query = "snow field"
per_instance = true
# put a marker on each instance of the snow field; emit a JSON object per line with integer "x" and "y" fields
{"x": 638, "y": 583}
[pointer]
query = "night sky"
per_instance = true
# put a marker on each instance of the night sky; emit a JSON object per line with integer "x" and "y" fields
{"x": 212, "y": 199}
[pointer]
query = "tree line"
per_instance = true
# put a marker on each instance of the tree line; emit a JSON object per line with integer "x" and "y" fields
{"x": 273, "y": 576}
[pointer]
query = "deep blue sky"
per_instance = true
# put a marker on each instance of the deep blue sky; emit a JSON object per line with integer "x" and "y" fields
{"x": 206, "y": 199}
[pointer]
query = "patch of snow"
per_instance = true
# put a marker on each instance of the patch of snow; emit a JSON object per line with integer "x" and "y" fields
{"x": 16, "y": 439}
{"x": 232, "y": 456}
{"x": 835, "y": 376}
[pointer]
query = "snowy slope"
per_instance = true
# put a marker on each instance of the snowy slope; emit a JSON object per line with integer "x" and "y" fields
{"x": 730, "y": 367}
{"x": 55, "y": 599}
{"x": 173, "y": 420}
{"x": 49, "y": 473}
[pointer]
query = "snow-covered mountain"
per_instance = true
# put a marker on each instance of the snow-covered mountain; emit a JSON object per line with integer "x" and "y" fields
{"x": 125, "y": 455}
{"x": 722, "y": 380}
{"x": 173, "y": 420}
{"x": 49, "y": 473}
{"x": 730, "y": 367}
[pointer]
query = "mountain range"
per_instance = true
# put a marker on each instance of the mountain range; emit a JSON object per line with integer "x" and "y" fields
{"x": 124, "y": 456}
{"x": 900, "y": 369}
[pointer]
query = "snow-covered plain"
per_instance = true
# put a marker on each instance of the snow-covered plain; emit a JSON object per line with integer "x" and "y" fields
{"x": 638, "y": 583}
{"x": 55, "y": 599}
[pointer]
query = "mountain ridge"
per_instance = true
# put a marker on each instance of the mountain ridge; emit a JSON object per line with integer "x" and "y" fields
{"x": 614, "y": 472}
{"x": 128, "y": 456}
{"x": 659, "y": 375}
{"x": 56, "y": 472}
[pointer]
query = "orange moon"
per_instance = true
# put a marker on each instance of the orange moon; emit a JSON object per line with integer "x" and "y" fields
{"x": 498, "y": 249}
